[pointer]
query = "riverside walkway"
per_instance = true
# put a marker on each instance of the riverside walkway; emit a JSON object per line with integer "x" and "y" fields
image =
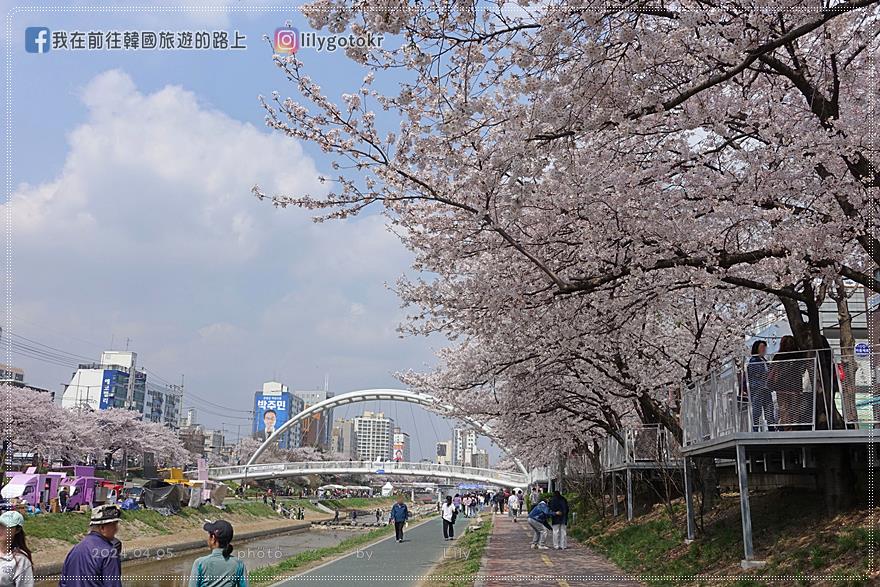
{"x": 509, "y": 560}
{"x": 386, "y": 561}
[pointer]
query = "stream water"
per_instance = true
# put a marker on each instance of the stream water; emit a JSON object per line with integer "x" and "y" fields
{"x": 256, "y": 553}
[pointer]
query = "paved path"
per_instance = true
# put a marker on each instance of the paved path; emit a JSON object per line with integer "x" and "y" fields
{"x": 509, "y": 560}
{"x": 385, "y": 562}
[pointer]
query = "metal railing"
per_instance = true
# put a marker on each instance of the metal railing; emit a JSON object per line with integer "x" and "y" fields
{"x": 363, "y": 467}
{"x": 857, "y": 397}
{"x": 642, "y": 444}
{"x": 798, "y": 392}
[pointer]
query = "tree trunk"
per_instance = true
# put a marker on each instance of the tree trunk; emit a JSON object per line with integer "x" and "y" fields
{"x": 654, "y": 413}
{"x": 707, "y": 482}
{"x": 807, "y": 333}
{"x": 847, "y": 351}
{"x": 835, "y": 478}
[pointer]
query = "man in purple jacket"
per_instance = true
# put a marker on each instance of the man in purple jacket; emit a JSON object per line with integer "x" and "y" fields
{"x": 96, "y": 561}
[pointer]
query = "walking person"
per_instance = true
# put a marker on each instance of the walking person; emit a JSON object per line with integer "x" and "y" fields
{"x": 513, "y": 505}
{"x": 220, "y": 568}
{"x": 448, "y": 512}
{"x": 96, "y": 561}
{"x": 16, "y": 564}
{"x": 399, "y": 515}
{"x": 378, "y": 514}
{"x": 538, "y": 521}
{"x": 336, "y": 515}
{"x": 759, "y": 392}
{"x": 559, "y": 520}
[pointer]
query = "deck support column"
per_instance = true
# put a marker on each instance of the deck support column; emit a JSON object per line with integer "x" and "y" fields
{"x": 749, "y": 561}
{"x": 689, "y": 501}
{"x": 614, "y": 493}
{"x": 629, "y": 494}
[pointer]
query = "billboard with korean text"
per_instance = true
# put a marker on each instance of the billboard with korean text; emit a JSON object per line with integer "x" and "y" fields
{"x": 271, "y": 411}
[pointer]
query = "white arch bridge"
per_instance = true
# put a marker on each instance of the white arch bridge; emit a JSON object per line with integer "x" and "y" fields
{"x": 252, "y": 470}
{"x": 363, "y": 395}
{"x": 275, "y": 470}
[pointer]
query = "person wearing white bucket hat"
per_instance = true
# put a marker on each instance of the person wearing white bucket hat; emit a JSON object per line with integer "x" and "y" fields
{"x": 97, "y": 560}
{"x": 16, "y": 567}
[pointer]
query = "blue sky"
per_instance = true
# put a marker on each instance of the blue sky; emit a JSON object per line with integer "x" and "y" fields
{"x": 133, "y": 219}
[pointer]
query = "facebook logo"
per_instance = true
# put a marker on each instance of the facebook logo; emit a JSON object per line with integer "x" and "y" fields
{"x": 36, "y": 39}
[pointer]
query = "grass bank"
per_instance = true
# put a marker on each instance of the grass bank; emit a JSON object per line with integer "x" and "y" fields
{"x": 70, "y": 527}
{"x": 360, "y": 502}
{"x": 800, "y": 545}
{"x": 462, "y": 558}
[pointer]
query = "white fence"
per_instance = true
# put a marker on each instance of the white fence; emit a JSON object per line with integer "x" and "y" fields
{"x": 783, "y": 394}
{"x": 644, "y": 444}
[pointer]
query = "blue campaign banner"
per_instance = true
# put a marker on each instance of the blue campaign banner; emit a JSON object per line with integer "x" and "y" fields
{"x": 108, "y": 387}
{"x": 271, "y": 411}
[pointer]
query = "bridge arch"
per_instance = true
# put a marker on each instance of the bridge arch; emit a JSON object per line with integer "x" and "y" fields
{"x": 362, "y": 395}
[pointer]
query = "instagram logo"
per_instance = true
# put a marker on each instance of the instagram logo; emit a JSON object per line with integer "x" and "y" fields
{"x": 286, "y": 40}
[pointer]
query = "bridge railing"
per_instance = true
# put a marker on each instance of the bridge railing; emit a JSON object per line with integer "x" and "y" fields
{"x": 366, "y": 467}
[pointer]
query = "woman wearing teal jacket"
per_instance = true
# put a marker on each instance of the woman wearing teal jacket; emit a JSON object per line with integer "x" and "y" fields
{"x": 220, "y": 568}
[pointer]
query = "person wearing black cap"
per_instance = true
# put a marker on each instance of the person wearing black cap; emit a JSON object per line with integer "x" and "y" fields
{"x": 220, "y": 568}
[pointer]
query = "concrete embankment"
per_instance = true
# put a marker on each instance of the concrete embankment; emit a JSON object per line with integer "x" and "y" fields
{"x": 169, "y": 546}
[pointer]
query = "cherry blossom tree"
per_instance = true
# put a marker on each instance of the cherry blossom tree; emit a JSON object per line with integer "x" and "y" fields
{"x": 604, "y": 198}
{"x": 33, "y": 423}
{"x": 244, "y": 448}
{"x": 247, "y": 446}
{"x": 36, "y": 424}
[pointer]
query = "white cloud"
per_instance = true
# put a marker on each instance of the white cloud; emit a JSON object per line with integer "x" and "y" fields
{"x": 219, "y": 332}
{"x": 161, "y": 171}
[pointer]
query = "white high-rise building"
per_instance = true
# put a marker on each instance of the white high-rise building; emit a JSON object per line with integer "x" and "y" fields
{"x": 98, "y": 386}
{"x": 464, "y": 444}
{"x": 374, "y": 436}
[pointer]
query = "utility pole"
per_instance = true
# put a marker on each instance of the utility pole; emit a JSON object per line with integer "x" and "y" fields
{"x": 132, "y": 376}
{"x": 129, "y": 403}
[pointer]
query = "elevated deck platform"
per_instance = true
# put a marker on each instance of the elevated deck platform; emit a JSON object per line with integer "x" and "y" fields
{"x": 760, "y": 412}
{"x": 725, "y": 446}
{"x": 642, "y": 449}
